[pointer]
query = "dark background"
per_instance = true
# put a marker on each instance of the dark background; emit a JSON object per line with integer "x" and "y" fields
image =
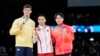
{"x": 89, "y": 15}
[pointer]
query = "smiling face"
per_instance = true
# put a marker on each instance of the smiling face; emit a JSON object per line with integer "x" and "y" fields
{"x": 59, "y": 19}
{"x": 41, "y": 20}
{"x": 27, "y": 11}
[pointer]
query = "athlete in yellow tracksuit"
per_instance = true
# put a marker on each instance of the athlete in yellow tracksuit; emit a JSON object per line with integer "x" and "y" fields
{"x": 22, "y": 28}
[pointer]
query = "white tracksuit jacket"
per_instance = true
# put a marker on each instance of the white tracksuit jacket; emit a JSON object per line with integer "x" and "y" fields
{"x": 44, "y": 41}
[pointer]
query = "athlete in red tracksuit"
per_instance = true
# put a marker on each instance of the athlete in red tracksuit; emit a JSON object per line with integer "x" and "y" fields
{"x": 63, "y": 37}
{"x": 44, "y": 41}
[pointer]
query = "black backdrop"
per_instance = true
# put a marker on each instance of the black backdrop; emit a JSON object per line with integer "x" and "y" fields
{"x": 12, "y": 9}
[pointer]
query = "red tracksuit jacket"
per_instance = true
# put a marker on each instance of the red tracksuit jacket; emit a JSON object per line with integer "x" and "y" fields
{"x": 63, "y": 37}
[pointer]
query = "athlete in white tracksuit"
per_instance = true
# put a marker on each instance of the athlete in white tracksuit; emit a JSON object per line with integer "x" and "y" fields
{"x": 44, "y": 39}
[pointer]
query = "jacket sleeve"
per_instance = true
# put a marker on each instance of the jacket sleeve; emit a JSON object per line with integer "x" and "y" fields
{"x": 53, "y": 36}
{"x": 15, "y": 29}
{"x": 34, "y": 33}
{"x": 33, "y": 25}
{"x": 34, "y": 38}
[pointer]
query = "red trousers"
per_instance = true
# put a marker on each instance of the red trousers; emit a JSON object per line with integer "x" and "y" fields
{"x": 46, "y": 54}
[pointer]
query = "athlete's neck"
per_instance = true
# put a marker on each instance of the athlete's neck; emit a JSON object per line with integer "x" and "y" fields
{"x": 26, "y": 17}
{"x": 60, "y": 25}
{"x": 42, "y": 24}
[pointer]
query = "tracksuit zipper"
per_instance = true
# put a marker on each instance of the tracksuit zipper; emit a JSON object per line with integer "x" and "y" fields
{"x": 45, "y": 39}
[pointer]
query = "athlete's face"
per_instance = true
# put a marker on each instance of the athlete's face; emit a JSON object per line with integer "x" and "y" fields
{"x": 27, "y": 11}
{"x": 59, "y": 19}
{"x": 41, "y": 20}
